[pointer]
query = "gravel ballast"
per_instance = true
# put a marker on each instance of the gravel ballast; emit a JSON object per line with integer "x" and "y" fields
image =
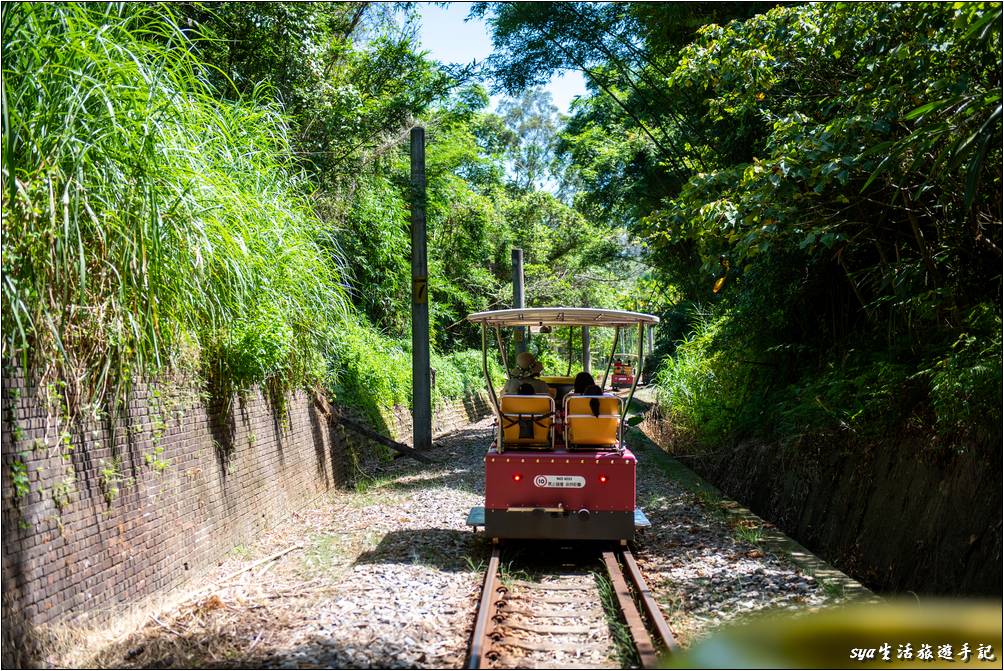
{"x": 386, "y": 575}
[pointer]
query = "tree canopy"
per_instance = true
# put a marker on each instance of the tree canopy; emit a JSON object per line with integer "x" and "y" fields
{"x": 818, "y": 191}
{"x": 809, "y": 194}
{"x": 246, "y": 219}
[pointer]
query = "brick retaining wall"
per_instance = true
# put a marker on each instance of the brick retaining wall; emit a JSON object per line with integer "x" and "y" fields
{"x": 123, "y": 510}
{"x": 893, "y": 513}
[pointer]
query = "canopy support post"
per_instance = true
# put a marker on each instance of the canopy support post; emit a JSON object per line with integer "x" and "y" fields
{"x": 637, "y": 373}
{"x": 610, "y": 361}
{"x": 571, "y": 344}
{"x": 484, "y": 367}
{"x": 502, "y": 351}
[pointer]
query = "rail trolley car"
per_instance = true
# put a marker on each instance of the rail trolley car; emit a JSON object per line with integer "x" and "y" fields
{"x": 623, "y": 371}
{"x": 558, "y": 467}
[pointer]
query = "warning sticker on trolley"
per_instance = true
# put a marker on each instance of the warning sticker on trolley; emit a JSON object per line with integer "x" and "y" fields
{"x": 560, "y": 481}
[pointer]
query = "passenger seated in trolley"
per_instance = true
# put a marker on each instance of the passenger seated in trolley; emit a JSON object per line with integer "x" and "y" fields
{"x": 582, "y": 382}
{"x": 526, "y": 371}
{"x": 588, "y": 418}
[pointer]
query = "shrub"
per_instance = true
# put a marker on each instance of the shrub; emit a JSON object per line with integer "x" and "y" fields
{"x": 368, "y": 369}
{"x": 372, "y": 371}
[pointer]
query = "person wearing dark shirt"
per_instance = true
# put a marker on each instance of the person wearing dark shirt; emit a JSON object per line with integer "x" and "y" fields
{"x": 582, "y": 381}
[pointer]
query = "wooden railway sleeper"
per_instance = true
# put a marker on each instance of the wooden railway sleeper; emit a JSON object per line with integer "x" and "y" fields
{"x": 488, "y": 637}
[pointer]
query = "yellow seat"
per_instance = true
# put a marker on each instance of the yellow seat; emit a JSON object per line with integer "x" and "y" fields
{"x": 526, "y": 420}
{"x": 582, "y": 428}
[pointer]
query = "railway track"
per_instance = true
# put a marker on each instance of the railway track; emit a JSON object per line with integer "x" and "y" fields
{"x": 558, "y": 618}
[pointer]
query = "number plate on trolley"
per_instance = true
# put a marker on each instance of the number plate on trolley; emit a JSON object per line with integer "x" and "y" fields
{"x": 560, "y": 481}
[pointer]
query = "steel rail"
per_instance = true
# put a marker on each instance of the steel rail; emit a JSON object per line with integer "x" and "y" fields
{"x": 477, "y": 657}
{"x": 642, "y": 641}
{"x": 624, "y": 575}
{"x": 648, "y": 602}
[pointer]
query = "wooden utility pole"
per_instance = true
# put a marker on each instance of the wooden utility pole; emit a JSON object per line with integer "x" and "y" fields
{"x": 421, "y": 388}
{"x": 518, "y": 300}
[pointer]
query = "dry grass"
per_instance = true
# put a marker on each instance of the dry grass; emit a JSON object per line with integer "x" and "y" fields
{"x": 78, "y": 644}
{"x": 240, "y": 619}
{"x": 237, "y": 615}
{"x": 240, "y": 625}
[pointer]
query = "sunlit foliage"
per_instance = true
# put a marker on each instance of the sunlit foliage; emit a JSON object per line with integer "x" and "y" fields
{"x": 145, "y": 219}
{"x": 818, "y": 188}
{"x": 221, "y": 190}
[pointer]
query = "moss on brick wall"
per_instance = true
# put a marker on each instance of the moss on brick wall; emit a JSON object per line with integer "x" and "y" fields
{"x": 102, "y": 514}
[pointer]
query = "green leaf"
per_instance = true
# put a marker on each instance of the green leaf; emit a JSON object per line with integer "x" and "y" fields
{"x": 924, "y": 109}
{"x": 961, "y": 147}
{"x": 973, "y": 171}
{"x": 984, "y": 21}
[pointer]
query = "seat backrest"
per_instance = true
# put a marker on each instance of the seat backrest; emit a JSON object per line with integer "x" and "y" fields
{"x": 578, "y": 404}
{"x": 526, "y": 420}
{"x": 583, "y": 428}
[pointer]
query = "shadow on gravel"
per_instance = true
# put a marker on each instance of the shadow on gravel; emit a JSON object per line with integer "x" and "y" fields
{"x": 458, "y": 478}
{"x": 445, "y": 549}
{"x": 329, "y": 653}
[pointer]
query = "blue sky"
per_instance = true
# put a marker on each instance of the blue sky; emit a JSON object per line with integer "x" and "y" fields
{"x": 450, "y": 39}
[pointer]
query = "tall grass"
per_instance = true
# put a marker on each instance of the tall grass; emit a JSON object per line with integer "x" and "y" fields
{"x": 148, "y": 224}
{"x": 690, "y": 386}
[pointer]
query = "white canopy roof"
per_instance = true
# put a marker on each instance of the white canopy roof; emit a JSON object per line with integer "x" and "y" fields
{"x": 561, "y": 317}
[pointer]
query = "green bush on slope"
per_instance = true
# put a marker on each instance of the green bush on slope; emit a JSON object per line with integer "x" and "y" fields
{"x": 143, "y": 213}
